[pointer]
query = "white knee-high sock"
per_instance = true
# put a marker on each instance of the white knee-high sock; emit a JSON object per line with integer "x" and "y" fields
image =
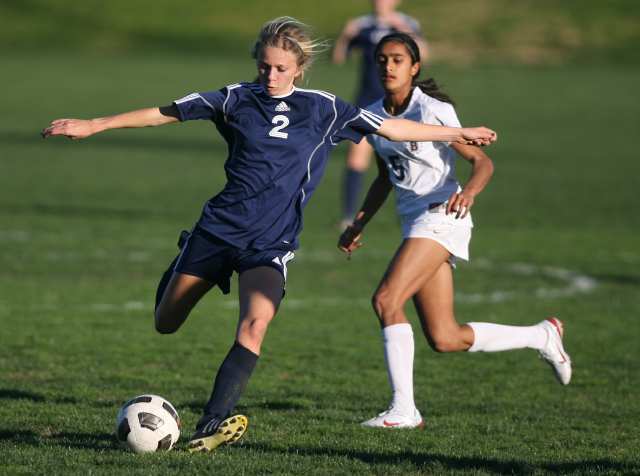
{"x": 398, "y": 353}
{"x": 496, "y": 337}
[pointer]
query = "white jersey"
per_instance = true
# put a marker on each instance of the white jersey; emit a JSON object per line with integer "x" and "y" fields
{"x": 423, "y": 173}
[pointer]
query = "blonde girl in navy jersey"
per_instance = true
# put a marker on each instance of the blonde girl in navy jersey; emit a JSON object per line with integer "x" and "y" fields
{"x": 436, "y": 229}
{"x": 278, "y": 137}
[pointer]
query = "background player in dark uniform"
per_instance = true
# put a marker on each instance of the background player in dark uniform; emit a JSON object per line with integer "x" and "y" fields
{"x": 279, "y": 137}
{"x": 363, "y": 33}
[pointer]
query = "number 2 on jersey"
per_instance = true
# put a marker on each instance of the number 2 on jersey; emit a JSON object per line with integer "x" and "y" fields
{"x": 397, "y": 167}
{"x": 281, "y": 122}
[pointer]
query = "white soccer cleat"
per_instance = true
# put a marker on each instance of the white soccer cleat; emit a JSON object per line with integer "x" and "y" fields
{"x": 553, "y": 352}
{"x": 393, "y": 418}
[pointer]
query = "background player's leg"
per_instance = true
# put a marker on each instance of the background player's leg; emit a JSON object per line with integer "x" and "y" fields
{"x": 260, "y": 294}
{"x": 358, "y": 158}
{"x": 181, "y": 294}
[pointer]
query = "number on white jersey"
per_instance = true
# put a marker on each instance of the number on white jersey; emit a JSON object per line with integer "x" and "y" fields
{"x": 397, "y": 167}
{"x": 281, "y": 122}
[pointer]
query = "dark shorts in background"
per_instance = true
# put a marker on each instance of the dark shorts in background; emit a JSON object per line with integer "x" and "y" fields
{"x": 208, "y": 257}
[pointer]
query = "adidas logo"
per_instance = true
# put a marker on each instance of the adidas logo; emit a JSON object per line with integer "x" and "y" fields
{"x": 282, "y": 107}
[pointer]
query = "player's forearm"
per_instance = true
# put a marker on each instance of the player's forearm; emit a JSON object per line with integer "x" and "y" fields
{"x": 376, "y": 196}
{"x": 339, "y": 55}
{"x": 480, "y": 176}
{"x": 138, "y": 118}
{"x": 405, "y": 130}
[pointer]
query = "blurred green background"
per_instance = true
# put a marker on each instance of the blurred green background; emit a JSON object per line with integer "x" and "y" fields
{"x": 460, "y": 31}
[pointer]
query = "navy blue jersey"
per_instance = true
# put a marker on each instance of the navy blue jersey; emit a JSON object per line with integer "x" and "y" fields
{"x": 370, "y": 32}
{"x": 278, "y": 148}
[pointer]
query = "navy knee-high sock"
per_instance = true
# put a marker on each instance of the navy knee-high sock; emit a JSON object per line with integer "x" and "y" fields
{"x": 230, "y": 382}
{"x": 351, "y": 192}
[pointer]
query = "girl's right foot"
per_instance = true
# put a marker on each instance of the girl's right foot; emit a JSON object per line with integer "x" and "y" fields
{"x": 211, "y": 433}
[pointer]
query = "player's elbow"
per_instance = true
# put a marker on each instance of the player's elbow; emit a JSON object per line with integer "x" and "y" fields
{"x": 480, "y": 160}
{"x": 489, "y": 166}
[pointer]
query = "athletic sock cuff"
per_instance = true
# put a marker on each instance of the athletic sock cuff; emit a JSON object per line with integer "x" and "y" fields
{"x": 242, "y": 356}
{"x": 396, "y": 330}
{"x": 477, "y": 345}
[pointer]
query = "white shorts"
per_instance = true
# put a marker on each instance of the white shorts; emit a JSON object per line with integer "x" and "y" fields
{"x": 452, "y": 233}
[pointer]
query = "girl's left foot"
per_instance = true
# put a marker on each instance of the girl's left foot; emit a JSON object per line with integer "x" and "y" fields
{"x": 553, "y": 352}
{"x": 393, "y": 418}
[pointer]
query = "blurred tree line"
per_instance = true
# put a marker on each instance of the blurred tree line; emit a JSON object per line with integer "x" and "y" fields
{"x": 459, "y": 31}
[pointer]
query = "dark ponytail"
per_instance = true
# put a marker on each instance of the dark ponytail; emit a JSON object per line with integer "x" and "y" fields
{"x": 427, "y": 86}
{"x": 430, "y": 87}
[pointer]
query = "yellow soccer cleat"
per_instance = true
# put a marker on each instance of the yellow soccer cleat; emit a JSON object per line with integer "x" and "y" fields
{"x": 211, "y": 435}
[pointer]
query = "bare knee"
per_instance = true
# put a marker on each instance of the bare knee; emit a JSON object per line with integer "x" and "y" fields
{"x": 387, "y": 307}
{"x": 166, "y": 323}
{"x": 252, "y": 331}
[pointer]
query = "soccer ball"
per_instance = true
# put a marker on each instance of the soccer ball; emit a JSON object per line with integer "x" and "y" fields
{"x": 148, "y": 423}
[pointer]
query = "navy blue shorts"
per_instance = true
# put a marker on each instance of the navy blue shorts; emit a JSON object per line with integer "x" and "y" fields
{"x": 214, "y": 260}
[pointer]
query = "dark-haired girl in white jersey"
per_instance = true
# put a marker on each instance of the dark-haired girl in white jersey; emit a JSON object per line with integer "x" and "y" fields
{"x": 279, "y": 137}
{"x": 436, "y": 227}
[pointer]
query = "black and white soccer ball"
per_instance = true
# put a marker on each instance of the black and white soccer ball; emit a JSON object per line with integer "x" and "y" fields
{"x": 148, "y": 423}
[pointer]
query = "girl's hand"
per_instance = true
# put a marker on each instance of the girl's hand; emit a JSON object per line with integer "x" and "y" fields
{"x": 72, "y": 128}
{"x": 460, "y": 204}
{"x": 478, "y": 136}
{"x": 349, "y": 241}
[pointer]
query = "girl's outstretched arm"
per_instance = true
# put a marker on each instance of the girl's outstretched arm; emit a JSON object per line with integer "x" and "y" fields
{"x": 405, "y": 130}
{"x": 378, "y": 192}
{"x": 81, "y": 128}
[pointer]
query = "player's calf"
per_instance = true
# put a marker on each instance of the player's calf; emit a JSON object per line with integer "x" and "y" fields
{"x": 448, "y": 340}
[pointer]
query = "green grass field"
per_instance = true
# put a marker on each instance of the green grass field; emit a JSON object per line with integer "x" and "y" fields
{"x": 86, "y": 229}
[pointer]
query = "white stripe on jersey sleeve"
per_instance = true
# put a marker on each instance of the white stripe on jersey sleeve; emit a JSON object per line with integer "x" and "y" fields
{"x": 330, "y": 96}
{"x": 370, "y": 121}
{"x": 206, "y": 102}
{"x": 374, "y": 117}
{"x": 192, "y": 97}
{"x": 188, "y": 97}
{"x": 343, "y": 126}
{"x": 224, "y": 104}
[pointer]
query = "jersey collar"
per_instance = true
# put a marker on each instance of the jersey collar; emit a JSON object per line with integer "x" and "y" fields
{"x": 293, "y": 89}
{"x": 414, "y": 97}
